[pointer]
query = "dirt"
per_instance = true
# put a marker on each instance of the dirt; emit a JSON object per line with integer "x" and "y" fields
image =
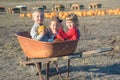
{"x": 96, "y": 32}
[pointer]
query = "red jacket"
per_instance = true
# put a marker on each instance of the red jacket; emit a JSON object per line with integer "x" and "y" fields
{"x": 71, "y": 34}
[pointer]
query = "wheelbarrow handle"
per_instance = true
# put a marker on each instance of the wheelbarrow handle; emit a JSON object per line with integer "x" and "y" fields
{"x": 88, "y": 53}
{"x": 104, "y": 49}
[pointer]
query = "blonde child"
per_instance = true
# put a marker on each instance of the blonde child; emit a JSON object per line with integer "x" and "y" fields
{"x": 72, "y": 24}
{"x": 38, "y": 18}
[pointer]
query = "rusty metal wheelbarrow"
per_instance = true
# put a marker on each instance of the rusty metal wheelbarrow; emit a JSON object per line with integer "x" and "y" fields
{"x": 38, "y": 49}
{"x": 47, "y": 52}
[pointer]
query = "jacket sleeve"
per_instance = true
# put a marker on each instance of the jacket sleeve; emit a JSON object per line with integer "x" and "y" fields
{"x": 72, "y": 34}
{"x": 61, "y": 34}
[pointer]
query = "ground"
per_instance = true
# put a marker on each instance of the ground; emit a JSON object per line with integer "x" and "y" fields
{"x": 96, "y": 32}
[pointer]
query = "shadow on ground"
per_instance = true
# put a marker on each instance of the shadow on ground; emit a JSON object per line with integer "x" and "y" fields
{"x": 111, "y": 69}
{"x": 108, "y": 70}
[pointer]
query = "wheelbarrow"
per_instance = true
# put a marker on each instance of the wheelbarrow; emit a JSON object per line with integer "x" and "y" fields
{"x": 38, "y": 49}
{"x": 44, "y": 52}
{"x": 38, "y": 52}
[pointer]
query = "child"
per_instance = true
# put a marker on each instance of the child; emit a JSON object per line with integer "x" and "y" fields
{"x": 54, "y": 27}
{"x": 38, "y": 18}
{"x": 38, "y": 31}
{"x": 72, "y": 24}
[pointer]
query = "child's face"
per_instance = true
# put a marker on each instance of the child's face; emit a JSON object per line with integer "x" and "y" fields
{"x": 53, "y": 26}
{"x": 70, "y": 24}
{"x": 38, "y": 17}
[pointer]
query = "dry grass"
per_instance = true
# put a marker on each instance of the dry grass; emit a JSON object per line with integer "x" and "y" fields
{"x": 96, "y": 31}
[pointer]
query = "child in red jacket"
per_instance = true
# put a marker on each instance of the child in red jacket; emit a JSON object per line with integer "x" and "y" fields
{"x": 72, "y": 24}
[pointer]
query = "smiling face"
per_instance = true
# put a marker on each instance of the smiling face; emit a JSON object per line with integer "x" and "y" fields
{"x": 69, "y": 24}
{"x": 38, "y": 17}
{"x": 53, "y": 26}
{"x": 71, "y": 21}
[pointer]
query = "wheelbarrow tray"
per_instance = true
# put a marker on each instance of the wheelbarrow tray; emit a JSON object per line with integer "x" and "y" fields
{"x": 39, "y": 49}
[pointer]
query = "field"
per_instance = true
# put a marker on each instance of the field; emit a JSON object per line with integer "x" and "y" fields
{"x": 96, "y": 32}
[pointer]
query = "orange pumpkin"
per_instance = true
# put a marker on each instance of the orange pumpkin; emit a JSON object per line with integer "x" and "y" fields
{"x": 29, "y": 15}
{"x": 22, "y": 15}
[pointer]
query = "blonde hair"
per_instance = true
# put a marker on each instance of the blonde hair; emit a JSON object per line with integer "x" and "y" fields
{"x": 72, "y": 17}
{"x": 37, "y": 11}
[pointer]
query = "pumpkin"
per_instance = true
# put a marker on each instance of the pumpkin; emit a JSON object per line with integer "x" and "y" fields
{"x": 102, "y": 13}
{"x": 41, "y": 29}
{"x": 22, "y": 15}
{"x": 90, "y": 13}
{"x": 29, "y": 15}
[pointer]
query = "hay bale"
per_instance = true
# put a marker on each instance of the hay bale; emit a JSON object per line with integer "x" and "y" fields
{"x": 58, "y": 8}
{"x": 82, "y": 7}
{"x": 13, "y": 10}
{"x": 95, "y": 5}
{"x": 99, "y": 5}
{"x": 76, "y": 6}
{"x": 22, "y": 7}
{"x": 2, "y": 9}
{"x": 39, "y": 7}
